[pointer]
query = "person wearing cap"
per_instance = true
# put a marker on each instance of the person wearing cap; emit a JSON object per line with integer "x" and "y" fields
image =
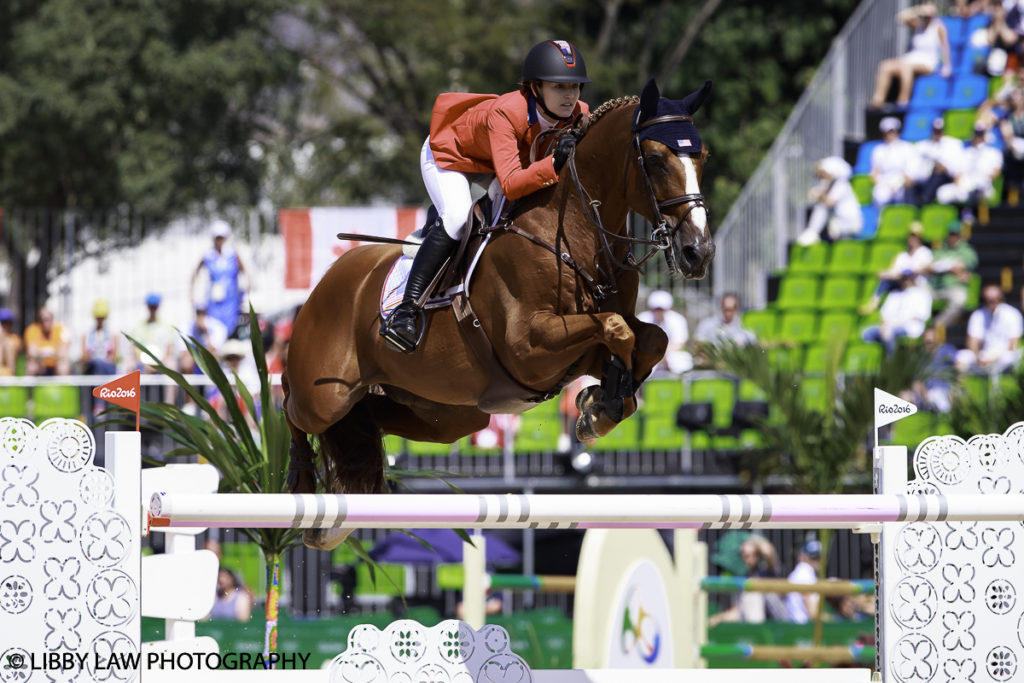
{"x": 950, "y": 273}
{"x": 208, "y": 331}
{"x": 1011, "y": 126}
{"x": 46, "y": 346}
{"x": 224, "y": 269}
{"x": 836, "y": 209}
{"x": 99, "y": 345}
{"x": 929, "y": 46}
{"x": 938, "y": 159}
{"x": 904, "y": 313}
{"x": 660, "y": 312}
{"x": 483, "y": 136}
{"x": 994, "y": 332}
{"x": 891, "y": 163}
{"x": 10, "y": 343}
{"x": 974, "y": 183}
{"x": 802, "y": 607}
{"x": 155, "y": 335}
{"x": 916, "y": 259}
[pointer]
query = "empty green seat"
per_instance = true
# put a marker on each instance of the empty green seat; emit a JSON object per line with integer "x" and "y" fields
{"x": 720, "y": 392}
{"x": 840, "y": 292}
{"x": 763, "y": 323}
{"x": 13, "y": 401}
{"x": 539, "y": 430}
{"x": 960, "y": 123}
{"x": 393, "y": 445}
{"x": 55, "y": 400}
{"x": 935, "y": 218}
{"x": 798, "y": 291}
{"x": 798, "y": 327}
{"x": 427, "y": 448}
{"x": 848, "y": 258}
{"x": 894, "y": 221}
{"x": 863, "y": 186}
{"x": 838, "y": 325}
{"x": 814, "y": 359}
{"x": 661, "y": 396}
{"x": 625, "y": 437}
{"x": 862, "y": 358}
{"x": 813, "y": 391}
{"x": 660, "y": 433}
{"x": 811, "y": 259}
{"x": 882, "y": 254}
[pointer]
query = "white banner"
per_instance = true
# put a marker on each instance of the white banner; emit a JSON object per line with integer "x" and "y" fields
{"x": 889, "y": 408}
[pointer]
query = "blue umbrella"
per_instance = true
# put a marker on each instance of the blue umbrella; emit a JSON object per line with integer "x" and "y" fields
{"x": 445, "y": 547}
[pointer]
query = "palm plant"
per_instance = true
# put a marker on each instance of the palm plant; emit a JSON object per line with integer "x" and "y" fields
{"x": 999, "y": 405}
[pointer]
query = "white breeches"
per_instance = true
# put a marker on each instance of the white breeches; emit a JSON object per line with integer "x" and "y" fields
{"x": 449, "y": 191}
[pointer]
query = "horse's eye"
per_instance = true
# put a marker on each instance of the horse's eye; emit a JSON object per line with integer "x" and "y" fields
{"x": 654, "y": 163}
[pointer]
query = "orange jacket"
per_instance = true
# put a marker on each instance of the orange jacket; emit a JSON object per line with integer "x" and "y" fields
{"x": 492, "y": 134}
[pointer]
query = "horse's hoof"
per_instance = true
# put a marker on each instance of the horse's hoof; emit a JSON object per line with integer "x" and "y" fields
{"x": 324, "y": 539}
{"x": 588, "y": 396}
{"x": 585, "y": 429}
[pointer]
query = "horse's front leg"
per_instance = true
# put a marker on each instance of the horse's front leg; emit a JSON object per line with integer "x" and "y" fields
{"x": 578, "y": 335}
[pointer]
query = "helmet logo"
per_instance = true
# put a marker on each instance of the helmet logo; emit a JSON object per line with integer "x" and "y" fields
{"x": 566, "y": 49}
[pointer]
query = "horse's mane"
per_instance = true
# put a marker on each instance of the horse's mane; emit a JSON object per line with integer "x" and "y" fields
{"x": 612, "y": 105}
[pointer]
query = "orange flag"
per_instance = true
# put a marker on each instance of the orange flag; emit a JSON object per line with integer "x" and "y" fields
{"x": 124, "y": 392}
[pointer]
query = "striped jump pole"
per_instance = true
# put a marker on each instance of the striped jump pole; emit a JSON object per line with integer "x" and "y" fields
{"x": 572, "y": 511}
{"x": 739, "y": 584}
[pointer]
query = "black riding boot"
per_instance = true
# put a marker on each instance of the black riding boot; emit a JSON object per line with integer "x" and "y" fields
{"x": 401, "y": 329}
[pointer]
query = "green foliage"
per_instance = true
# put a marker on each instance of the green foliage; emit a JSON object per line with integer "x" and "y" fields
{"x": 983, "y": 405}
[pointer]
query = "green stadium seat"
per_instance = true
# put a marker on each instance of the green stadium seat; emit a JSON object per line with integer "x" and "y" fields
{"x": 14, "y": 402}
{"x": 394, "y": 445}
{"x": 862, "y": 358}
{"x": 539, "y": 429}
{"x": 660, "y": 433}
{"x": 839, "y": 292}
{"x": 799, "y": 327}
{"x": 894, "y": 221}
{"x": 625, "y": 437}
{"x": 935, "y": 218}
{"x": 997, "y": 191}
{"x": 814, "y": 359}
{"x": 811, "y": 259}
{"x": 798, "y": 291}
{"x": 960, "y": 123}
{"x": 848, "y": 258}
{"x": 882, "y": 254}
{"x": 813, "y": 392}
{"x": 427, "y": 448}
{"x": 763, "y": 323}
{"x": 791, "y": 357}
{"x": 838, "y": 325}
{"x": 661, "y": 396}
{"x": 748, "y": 391}
{"x": 720, "y": 392}
{"x": 56, "y": 400}
{"x": 863, "y": 187}
{"x": 973, "y": 292}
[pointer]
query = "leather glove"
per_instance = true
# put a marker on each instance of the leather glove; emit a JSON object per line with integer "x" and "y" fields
{"x": 563, "y": 148}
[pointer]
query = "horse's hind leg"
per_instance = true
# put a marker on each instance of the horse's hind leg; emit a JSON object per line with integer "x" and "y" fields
{"x": 301, "y": 465}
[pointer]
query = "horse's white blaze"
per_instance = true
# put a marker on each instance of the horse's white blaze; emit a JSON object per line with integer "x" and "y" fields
{"x": 699, "y": 215}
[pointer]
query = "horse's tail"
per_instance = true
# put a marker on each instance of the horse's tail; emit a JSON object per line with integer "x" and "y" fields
{"x": 352, "y": 453}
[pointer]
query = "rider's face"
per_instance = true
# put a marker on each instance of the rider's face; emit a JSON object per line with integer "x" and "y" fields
{"x": 560, "y": 98}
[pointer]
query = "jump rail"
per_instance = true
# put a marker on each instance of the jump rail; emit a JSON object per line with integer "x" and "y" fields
{"x": 545, "y": 511}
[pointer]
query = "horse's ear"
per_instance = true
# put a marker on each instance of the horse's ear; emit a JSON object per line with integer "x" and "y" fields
{"x": 692, "y": 102}
{"x": 649, "y": 100}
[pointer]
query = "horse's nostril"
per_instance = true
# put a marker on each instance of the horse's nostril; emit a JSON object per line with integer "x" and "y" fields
{"x": 691, "y": 255}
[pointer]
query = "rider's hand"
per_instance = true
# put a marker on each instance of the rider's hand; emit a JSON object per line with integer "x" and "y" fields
{"x": 563, "y": 148}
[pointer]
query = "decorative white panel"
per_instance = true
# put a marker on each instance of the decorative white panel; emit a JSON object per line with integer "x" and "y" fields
{"x": 953, "y": 608}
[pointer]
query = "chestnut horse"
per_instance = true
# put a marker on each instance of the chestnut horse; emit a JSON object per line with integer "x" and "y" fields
{"x": 554, "y": 291}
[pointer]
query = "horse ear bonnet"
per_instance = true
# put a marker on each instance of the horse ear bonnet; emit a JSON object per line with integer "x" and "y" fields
{"x": 679, "y": 136}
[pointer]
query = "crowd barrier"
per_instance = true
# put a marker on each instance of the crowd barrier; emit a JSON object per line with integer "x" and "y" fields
{"x": 71, "y": 590}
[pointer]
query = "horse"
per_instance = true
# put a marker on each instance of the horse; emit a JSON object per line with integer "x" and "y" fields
{"x": 554, "y": 293}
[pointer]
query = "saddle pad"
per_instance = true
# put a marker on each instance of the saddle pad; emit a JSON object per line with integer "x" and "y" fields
{"x": 394, "y": 285}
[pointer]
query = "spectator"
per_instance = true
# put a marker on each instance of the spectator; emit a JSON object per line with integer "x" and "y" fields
{"x": 46, "y": 346}
{"x": 236, "y": 360}
{"x": 223, "y": 267}
{"x": 933, "y": 394}
{"x": 10, "y": 343}
{"x": 996, "y": 105}
{"x": 929, "y": 45}
{"x": 891, "y": 164}
{"x": 982, "y": 163}
{"x": 234, "y": 600}
{"x": 951, "y": 271}
{"x": 725, "y": 327}
{"x": 762, "y": 561}
{"x": 803, "y": 606}
{"x": 853, "y": 607}
{"x": 1004, "y": 37}
{"x": 208, "y": 331}
{"x": 905, "y": 313}
{"x": 937, "y": 161}
{"x": 993, "y": 335}
{"x": 836, "y": 209}
{"x": 917, "y": 258}
{"x": 660, "y": 312}
{"x": 155, "y": 335}
{"x": 99, "y": 345}
{"x": 1012, "y": 128}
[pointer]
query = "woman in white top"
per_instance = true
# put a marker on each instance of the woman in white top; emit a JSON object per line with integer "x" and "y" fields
{"x": 929, "y": 45}
{"x": 836, "y": 207}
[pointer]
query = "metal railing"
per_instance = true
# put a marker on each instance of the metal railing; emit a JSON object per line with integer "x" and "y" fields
{"x": 771, "y": 210}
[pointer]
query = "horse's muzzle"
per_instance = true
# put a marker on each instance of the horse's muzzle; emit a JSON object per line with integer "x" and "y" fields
{"x": 694, "y": 259}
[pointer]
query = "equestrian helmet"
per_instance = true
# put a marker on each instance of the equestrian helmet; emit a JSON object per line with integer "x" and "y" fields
{"x": 557, "y": 61}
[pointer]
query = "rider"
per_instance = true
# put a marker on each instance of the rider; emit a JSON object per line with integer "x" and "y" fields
{"x": 474, "y": 135}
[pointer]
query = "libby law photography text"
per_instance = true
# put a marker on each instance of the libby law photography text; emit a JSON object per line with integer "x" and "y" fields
{"x": 183, "y": 661}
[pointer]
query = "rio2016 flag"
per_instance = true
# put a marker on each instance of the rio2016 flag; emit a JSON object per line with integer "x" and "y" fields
{"x": 310, "y": 236}
{"x": 124, "y": 392}
{"x": 889, "y": 409}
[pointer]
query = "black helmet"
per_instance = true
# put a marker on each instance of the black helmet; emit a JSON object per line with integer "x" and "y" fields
{"x": 557, "y": 61}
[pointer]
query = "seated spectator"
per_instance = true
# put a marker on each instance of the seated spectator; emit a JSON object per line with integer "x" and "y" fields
{"x": 10, "y": 343}
{"x": 917, "y": 259}
{"x": 802, "y": 607}
{"x": 659, "y": 312}
{"x": 996, "y": 105}
{"x": 993, "y": 335}
{"x": 46, "y": 346}
{"x": 725, "y": 327}
{"x": 208, "y": 331}
{"x": 891, "y": 164}
{"x": 904, "y": 313}
{"x": 933, "y": 394}
{"x": 929, "y": 45}
{"x": 762, "y": 561}
{"x": 234, "y": 600}
{"x": 950, "y": 271}
{"x": 1012, "y": 128}
{"x": 1004, "y": 36}
{"x": 973, "y": 184}
{"x": 937, "y": 161}
{"x": 155, "y": 335}
{"x": 853, "y": 607}
{"x": 99, "y": 345}
{"x": 836, "y": 210}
